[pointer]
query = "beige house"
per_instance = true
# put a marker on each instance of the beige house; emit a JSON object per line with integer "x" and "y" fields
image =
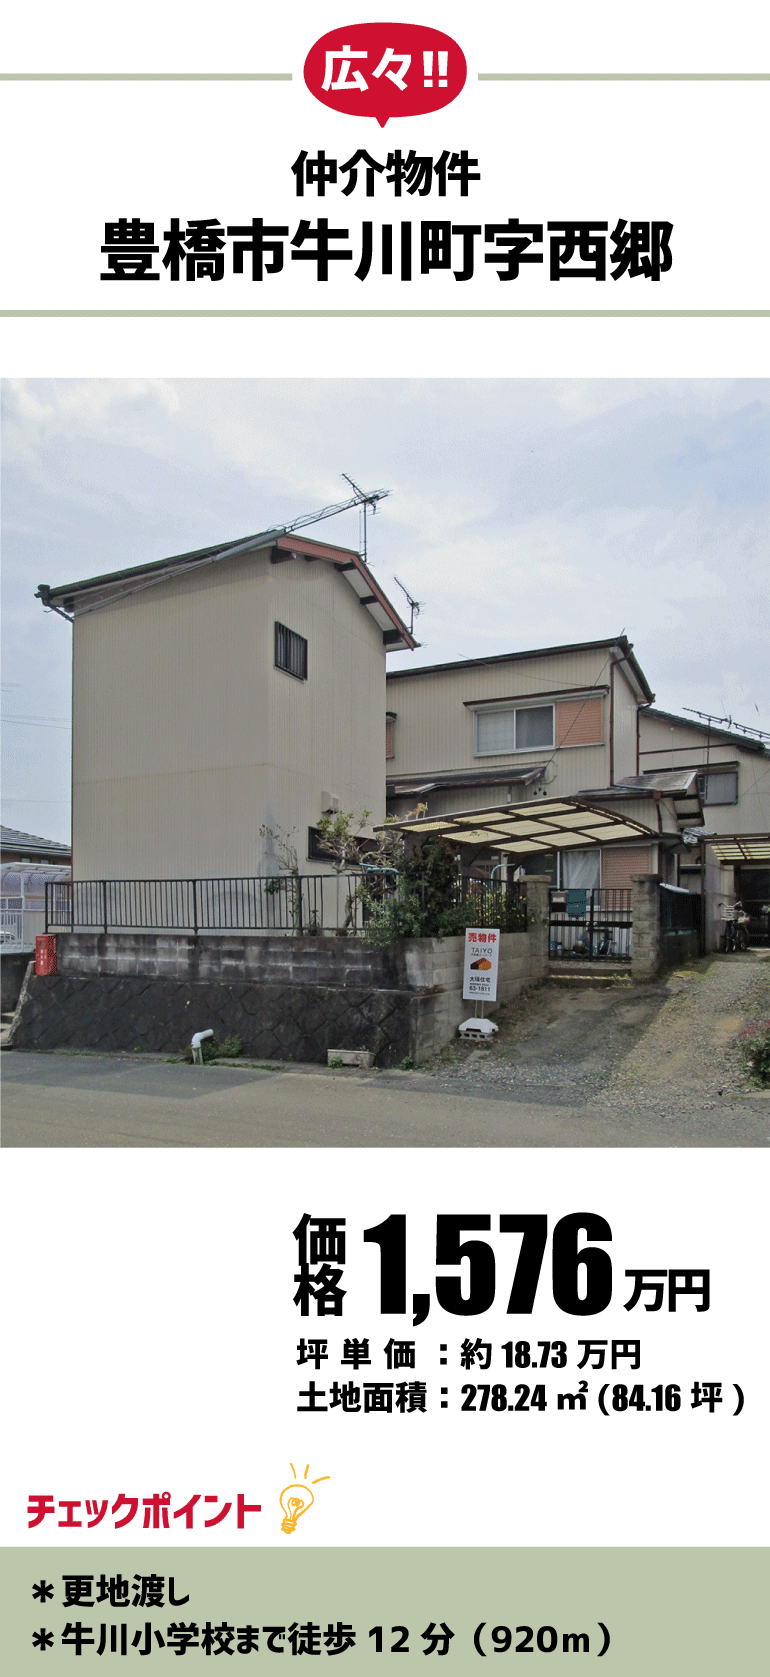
{"x": 219, "y": 691}
{"x": 555, "y": 723}
{"x": 733, "y": 773}
{"x": 733, "y": 769}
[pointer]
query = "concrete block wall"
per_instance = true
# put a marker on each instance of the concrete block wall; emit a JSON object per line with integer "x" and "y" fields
{"x": 286, "y": 998}
{"x": 411, "y": 964}
{"x": 652, "y": 948}
{"x": 230, "y": 956}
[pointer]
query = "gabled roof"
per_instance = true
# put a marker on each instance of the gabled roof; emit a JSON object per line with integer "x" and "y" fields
{"x": 624, "y": 645}
{"x": 31, "y": 845}
{"x": 743, "y": 741}
{"x": 73, "y": 597}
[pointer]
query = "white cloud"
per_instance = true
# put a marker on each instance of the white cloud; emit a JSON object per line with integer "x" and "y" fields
{"x": 523, "y": 512}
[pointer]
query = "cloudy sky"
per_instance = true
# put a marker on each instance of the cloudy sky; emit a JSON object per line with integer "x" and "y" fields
{"x": 523, "y": 513}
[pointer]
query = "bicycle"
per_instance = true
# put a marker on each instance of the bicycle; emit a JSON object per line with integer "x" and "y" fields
{"x": 736, "y": 938}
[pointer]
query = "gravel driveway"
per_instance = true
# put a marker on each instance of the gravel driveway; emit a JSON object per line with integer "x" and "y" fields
{"x": 669, "y": 1048}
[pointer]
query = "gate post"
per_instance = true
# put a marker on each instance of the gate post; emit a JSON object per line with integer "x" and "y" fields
{"x": 538, "y": 920}
{"x": 645, "y": 927}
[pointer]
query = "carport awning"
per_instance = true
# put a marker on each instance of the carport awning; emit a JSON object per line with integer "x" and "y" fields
{"x": 753, "y": 849}
{"x": 526, "y": 828}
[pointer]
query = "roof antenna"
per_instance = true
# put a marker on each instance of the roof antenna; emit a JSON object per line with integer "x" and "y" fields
{"x": 415, "y": 606}
{"x": 364, "y": 500}
{"x": 727, "y": 722}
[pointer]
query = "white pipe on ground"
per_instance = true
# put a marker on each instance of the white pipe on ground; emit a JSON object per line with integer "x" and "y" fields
{"x": 196, "y": 1046}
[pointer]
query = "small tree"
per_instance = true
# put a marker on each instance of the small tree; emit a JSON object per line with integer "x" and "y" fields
{"x": 281, "y": 841}
{"x": 424, "y": 903}
{"x": 288, "y": 862}
{"x": 339, "y": 836}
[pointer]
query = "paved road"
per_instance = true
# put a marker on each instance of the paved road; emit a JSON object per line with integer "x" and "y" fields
{"x": 72, "y": 1100}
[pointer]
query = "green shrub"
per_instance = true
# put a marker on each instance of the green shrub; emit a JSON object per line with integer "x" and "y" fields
{"x": 755, "y": 1042}
{"x": 212, "y": 1049}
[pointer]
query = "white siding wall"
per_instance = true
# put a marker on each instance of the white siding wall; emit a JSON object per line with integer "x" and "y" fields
{"x": 434, "y": 729}
{"x": 186, "y": 738}
{"x": 668, "y": 744}
{"x": 624, "y": 709}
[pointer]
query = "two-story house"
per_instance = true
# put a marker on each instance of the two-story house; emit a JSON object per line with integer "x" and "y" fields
{"x": 218, "y": 692}
{"x": 559, "y": 722}
{"x": 733, "y": 773}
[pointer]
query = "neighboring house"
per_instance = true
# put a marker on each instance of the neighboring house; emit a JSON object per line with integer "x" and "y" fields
{"x": 559, "y": 722}
{"x": 733, "y": 776}
{"x": 27, "y": 847}
{"x": 27, "y": 864}
{"x": 219, "y": 691}
{"x": 22, "y": 901}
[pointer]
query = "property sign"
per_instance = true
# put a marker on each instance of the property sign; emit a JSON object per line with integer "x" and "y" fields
{"x": 482, "y": 947}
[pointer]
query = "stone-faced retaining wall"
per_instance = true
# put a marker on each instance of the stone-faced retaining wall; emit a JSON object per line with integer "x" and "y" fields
{"x": 287, "y": 998}
{"x": 13, "y": 966}
{"x": 159, "y": 1015}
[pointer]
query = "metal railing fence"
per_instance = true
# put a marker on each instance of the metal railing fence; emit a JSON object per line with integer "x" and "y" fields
{"x": 296, "y": 903}
{"x": 269, "y": 903}
{"x": 590, "y": 924}
{"x": 503, "y": 905}
{"x": 758, "y": 911}
{"x": 11, "y": 926}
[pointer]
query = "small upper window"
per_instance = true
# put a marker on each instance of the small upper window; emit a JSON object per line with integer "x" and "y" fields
{"x": 719, "y": 786}
{"x": 526, "y": 729}
{"x": 390, "y": 734}
{"x": 290, "y": 652}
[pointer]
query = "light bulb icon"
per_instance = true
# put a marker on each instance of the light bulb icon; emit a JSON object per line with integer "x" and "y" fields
{"x": 295, "y": 1499}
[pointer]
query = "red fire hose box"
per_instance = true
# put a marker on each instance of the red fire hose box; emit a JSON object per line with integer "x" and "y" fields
{"x": 45, "y": 956}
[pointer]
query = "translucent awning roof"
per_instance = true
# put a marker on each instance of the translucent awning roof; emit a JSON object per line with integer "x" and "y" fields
{"x": 755, "y": 848}
{"x": 526, "y": 828}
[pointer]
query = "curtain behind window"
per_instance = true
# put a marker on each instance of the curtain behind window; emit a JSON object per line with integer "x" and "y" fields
{"x": 580, "y": 869}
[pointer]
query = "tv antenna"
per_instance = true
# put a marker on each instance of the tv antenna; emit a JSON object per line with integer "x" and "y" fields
{"x": 727, "y": 722}
{"x": 415, "y": 606}
{"x": 364, "y": 500}
{"x": 362, "y": 497}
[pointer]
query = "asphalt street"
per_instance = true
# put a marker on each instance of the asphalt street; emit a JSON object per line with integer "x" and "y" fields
{"x": 84, "y": 1100}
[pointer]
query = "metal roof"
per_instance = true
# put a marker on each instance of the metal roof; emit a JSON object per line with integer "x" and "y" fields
{"x": 681, "y": 786}
{"x": 540, "y": 824}
{"x": 667, "y": 782}
{"x": 472, "y": 777}
{"x": 114, "y": 585}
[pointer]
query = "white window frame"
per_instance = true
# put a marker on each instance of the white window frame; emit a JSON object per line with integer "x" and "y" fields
{"x": 514, "y": 711}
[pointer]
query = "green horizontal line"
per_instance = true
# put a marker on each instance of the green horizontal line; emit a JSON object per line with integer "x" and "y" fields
{"x": 622, "y": 76}
{"x": 286, "y": 76}
{"x": 140, "y": 76}
{"x": 384, "y": 314}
